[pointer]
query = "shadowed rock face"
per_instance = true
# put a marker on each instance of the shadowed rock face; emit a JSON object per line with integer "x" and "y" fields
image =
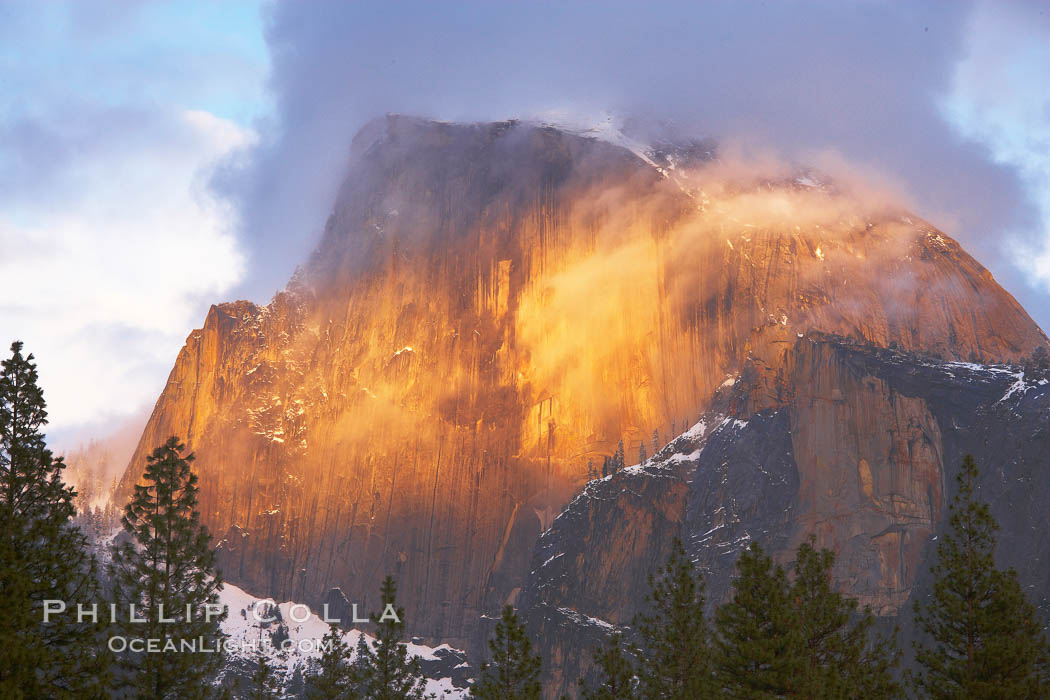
{"x": 492, "y": 307}
{"x": 860, "y": 451}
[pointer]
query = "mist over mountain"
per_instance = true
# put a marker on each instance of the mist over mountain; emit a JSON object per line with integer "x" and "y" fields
{"x": 914, "y": 93}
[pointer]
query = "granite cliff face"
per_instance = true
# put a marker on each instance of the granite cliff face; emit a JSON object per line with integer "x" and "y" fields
{"x": 493, "y": 307}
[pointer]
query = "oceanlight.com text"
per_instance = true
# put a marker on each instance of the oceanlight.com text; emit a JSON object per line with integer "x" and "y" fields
{"x": 167, "y": 645}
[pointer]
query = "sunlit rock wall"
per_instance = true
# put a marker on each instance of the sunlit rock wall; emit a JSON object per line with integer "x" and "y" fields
{"x": 493, "y": 307}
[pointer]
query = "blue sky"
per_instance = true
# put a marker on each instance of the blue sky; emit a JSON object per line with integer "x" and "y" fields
{"x": 157, "y": 157}
{"x": 209, "y": 56}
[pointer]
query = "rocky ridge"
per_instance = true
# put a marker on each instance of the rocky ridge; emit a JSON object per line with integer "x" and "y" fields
{"x": 859, "y": 453}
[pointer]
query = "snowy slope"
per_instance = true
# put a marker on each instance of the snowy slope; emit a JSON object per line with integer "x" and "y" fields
{"x": 251, "y": 624}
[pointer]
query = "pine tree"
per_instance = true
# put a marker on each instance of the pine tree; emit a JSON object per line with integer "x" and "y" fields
{"x": 98, "y": 526}
{"x": 674, "y": 634}
{"x": 656, "y": 440}
{"x": 279, "y": 635}
{"x": 514, "y": 672}
{"x": 168, "y": 569}
{"x": 616, "y": 679}
{"x": 43, "y": 555}
{"x": 1037, "y": 365}
{"x": 385, "y": 670}
{"x": 840, "y": 659}
{"x": 265, "y": 685}
{"x": 333, "y": 677}
{"x": 984, "y": 638}
{"x": 759, "y": 639}
{"x": 641, "y": 453}
{"x": 618, "y": 460}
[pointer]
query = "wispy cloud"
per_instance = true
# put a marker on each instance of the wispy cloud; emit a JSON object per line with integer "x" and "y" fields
{"x": 108, "y": 280}
{"x": 1000, "y": 98}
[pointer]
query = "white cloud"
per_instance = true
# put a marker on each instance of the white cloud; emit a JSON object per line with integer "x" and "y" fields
{"x": 109, "y": 275}
{"x": 1000, "y": 97}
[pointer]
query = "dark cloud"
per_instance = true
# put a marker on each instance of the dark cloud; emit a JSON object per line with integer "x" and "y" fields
{"x": 863, "y": 79}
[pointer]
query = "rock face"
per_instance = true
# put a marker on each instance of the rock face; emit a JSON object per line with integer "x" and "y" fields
{"x": 860, "y": 452}
{"x": 493, "y": 307}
